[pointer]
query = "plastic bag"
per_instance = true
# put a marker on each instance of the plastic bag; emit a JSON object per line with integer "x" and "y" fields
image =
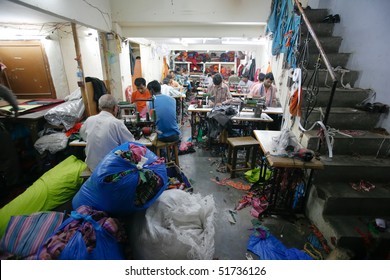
{"x": 106, "y": 248}
{"x": 66, "y": 114}
{"x": 271, "y": 248}
{"x": 53, "y": 143}
{"x": 284, "y": 143}
{"x": 118, "y": 197}
{"x": 253, "y": 175}
{"x": 179, "y": 225}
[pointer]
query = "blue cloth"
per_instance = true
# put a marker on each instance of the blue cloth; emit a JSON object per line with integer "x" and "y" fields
{"x": 272, "y": 249}
{"x": 165, "y": 107}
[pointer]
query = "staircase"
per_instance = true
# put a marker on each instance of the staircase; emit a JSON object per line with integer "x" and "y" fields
{"x": 342, "y": 214}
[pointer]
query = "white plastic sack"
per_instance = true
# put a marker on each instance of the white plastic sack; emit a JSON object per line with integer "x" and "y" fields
{"x": 53, "y": 143}
{"x": 284, "y": 143}
{"x": 66, "y": 114}
{"x": 179, "y": 226}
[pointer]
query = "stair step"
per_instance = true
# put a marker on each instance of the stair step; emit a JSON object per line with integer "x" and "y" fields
{"x": 347, "y": 236}
{"x": 344, "y": 118}
{"x": 335, "y": 59}
{"x": 346, "y": 168}
{"x": 320, "y": 28}
{"x": 341, "y": 199}
{"x": 325, "y": 80}
{"x": 360, "y": 143}
{"x": 329, "y": 45}
{"x": 342, "y": 97}
{"x": 316, "y": 15}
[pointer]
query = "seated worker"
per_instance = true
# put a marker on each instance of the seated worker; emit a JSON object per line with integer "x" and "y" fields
{"x": 165, "y": 108}
{"x": 219, "y": 91}
{"x": 233, "y": 78}
{"x": 166, "y": 89}
{"x": 256, "y": 86}
{"x": 141, "y": 93}
{"x": 173, "y": 83}
{"x": 103, "y": 132}
{"x": 266, "y": 90}
{"x": 245, "y": 83}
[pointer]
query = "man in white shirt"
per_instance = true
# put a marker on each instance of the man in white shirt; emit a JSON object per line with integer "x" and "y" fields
{"x": 103, "y": 132}
{"x": 166, "y": 89}
{"x": 245, "y": 83}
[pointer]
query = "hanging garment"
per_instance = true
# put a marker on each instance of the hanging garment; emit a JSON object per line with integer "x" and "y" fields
{"x": 99, "y": 89}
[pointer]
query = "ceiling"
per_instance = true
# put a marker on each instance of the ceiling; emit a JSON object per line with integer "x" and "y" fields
{"x": 172, "y": 22}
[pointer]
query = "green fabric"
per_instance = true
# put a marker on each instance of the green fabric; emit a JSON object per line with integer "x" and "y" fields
{"x": 253, "y": 175}
{"x": 55, "y": 187}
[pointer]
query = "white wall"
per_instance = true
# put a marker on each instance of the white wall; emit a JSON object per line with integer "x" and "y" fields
{"x": 91, "y": 13}
{"x": 364, "y": 27}
{"x": 90, "y": 55}
{"x": 151, "y": 63}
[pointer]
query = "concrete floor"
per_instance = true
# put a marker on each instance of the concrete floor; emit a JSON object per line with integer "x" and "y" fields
{"x": 231, "y": 239}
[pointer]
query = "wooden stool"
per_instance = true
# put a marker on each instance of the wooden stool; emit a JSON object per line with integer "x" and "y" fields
{"x": 169, "y": 146}
{"x": 250, "y": 145}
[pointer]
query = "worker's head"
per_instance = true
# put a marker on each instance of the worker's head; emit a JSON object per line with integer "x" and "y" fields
{"x": 217, "y": 79}
{"x": 166, "y": 81}
{"x": 108, "y": 103}
{"x": 261, "y": 77}
{"x": 140, "y": 84}
{"x": 268, "y": 79}
{"x": 154, "y": 87}
{"x": 245, "y": 78}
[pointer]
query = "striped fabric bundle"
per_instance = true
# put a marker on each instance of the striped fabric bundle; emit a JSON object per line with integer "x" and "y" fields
{"x": 26, "y": 233}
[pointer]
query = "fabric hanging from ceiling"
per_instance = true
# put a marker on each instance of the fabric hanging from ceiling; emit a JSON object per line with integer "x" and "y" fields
{"x": 283, "y": 23}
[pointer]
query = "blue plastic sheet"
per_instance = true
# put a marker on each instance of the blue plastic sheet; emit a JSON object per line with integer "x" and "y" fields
{"x": 271, "y": 248}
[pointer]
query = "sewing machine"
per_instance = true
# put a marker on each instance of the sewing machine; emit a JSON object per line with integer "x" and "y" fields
{"x": 138, "y": 125}
{"x": 256, "y": 105}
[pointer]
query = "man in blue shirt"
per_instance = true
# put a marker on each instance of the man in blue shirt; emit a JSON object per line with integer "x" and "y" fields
{"x": 165, "y": 107}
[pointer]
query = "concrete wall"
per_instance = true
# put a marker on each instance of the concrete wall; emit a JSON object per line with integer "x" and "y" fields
{"x": 364, "y": 28}
{"x": 91, "y": 13}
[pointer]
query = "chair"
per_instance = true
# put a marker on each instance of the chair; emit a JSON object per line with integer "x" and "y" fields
{"x": 169, "y": 146}
{"x": 235, "y": 144}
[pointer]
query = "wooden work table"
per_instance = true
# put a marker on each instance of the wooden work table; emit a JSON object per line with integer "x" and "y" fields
{"x": 147, "y": 141}
{"x": 266, "y": 138}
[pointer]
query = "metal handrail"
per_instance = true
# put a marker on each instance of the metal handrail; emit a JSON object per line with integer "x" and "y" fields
{"x": 324, "y": 57}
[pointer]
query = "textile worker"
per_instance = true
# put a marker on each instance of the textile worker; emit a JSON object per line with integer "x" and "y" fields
{"x": 233, "y": 78}
{"x": 165, "y": 107}
{"x": 219, "y": 91}
{"x": 103, "y": 132}
{"x": 268, "y": 91}
{"x": 141, "y": 93}
{"x": 166, "y": 89}
{"x": 256, "y": 86}
{"x": 245, "y": 82}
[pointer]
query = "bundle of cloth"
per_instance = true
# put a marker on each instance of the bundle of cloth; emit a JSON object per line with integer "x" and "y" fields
{"x": 129, "y": 178}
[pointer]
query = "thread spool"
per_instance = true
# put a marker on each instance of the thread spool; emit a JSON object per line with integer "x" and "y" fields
{"x": 147, "y": 116}
{"x": 154, "y": 115}
{"x": 138, "y": 117}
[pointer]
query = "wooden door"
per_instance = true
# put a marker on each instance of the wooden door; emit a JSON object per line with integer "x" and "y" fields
{"x": 27, "y": 70}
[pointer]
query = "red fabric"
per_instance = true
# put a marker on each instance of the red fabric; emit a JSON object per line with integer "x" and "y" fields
{"x": 74, "y": 129}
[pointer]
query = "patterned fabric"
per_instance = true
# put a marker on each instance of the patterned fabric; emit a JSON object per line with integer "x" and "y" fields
{"x": 53, "y": 246}
{"x": 25, "y": 234}
{"x": 149, "y": 183}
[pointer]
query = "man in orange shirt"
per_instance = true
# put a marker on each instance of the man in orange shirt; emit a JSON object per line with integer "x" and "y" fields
{"x": 141, "y": 93}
